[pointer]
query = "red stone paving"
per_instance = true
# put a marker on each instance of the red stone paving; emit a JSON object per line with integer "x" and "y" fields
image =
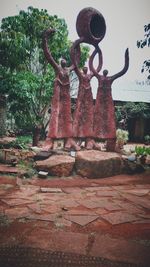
{"x": 81, "y": 219}
{"x": 107, "y": 217}
{"x": 119, "y": 217}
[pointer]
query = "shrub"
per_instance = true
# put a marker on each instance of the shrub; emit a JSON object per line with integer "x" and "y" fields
{"x": 122, "y": 137}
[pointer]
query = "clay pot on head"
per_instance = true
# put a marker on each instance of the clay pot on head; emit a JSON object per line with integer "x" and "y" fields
{"x": 91, "y": 25}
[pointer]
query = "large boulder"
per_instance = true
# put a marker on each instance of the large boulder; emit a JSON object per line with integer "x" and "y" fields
{"x": 98, "y": 164}
{"x": 57, "y": 165}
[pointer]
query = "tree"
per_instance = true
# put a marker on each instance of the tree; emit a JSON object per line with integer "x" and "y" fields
{"x": 28, "y": 79}
{"x": 142, "y": 44}
{"x": 4, "y": 77}
{"x": 133, "y": 114}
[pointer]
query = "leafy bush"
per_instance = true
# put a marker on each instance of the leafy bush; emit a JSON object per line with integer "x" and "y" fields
{"x": 22, "y": 142}
{"x": 122, "y": 135}
{"x": 142, "y": 150}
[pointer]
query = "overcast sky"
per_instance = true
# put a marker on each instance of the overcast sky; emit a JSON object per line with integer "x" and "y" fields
{"x": 125, "y": 22}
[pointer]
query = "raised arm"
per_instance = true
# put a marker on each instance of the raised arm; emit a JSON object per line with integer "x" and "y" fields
{"x": 100, "y": 61}
{"x": 75, "y": 55}
{"x": 125, "y": 68}
{"x": 46, "y": 50}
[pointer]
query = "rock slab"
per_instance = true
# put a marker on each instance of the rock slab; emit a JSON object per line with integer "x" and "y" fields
{"x": 98, "y": 164}
{"x": 57, "y": 165}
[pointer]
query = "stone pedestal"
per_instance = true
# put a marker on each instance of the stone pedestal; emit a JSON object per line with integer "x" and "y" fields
{"x": 98, "y": 164}
{"x": 57, "y": 165}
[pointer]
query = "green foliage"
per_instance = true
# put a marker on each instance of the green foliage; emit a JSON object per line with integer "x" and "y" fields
{"x": 21, "y": 38}
{"x": 142, "y": 150}
{"x": 136, "y": 110}
{"x": 21, "y": 142}
{"x": 24, "y": 73}
{"x": 132, "y": 110}
{"x": 142, "y": 44}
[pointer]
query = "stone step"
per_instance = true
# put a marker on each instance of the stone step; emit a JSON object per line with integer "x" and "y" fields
{"x": 8, "y": 169}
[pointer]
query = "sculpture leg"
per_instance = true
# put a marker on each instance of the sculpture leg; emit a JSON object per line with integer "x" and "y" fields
{"x": 70, "y": 143}
{"x": 96, "y": 146}
{"x": 48, "y": 144}
{"x": 111, "y": 144}
{"x": 91, "y": 144}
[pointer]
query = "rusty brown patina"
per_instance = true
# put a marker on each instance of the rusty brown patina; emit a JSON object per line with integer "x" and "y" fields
{"x": 91, "y": 25}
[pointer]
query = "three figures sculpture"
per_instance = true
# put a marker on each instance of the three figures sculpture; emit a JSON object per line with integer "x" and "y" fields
{"x": 89, "y": 122}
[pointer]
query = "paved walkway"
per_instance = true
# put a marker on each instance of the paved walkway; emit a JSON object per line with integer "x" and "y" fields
{"x": 108, "y": 218}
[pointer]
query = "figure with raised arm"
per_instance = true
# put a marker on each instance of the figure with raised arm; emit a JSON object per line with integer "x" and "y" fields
{"x": 60, "y": 125}
{"x": 83, "y": 114}
{"x": 104, "y": 125}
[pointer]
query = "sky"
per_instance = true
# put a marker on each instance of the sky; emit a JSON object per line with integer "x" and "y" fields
{"x": 125, "y": 22}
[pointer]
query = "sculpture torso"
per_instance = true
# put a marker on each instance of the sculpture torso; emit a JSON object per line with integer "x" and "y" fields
{"x": 62, "y": 76}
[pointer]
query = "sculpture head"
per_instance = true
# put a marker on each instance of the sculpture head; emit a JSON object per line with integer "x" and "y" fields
{"x": 105, "y": 72}
{"x": 63, "y": 63}
{"x": 90, "y": 25}
{"x": 85, "y": 70}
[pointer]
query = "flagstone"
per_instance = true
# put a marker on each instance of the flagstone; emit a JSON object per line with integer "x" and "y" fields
{"x": 48, "y": 196}
{"x": 61, "y": 223}
{"x": 90, "y": 204}
{"x": 100, "y": 211}
{"x": 42, "y": 217}
{"x": 119, "y": 217}
{"x": 81, "y": 219}
{"x": 35, "y": 207}
{"x": 15, "y": 213}
{"x": 29, "y": 189}
{"x": 123, "y": 187}
{"x": 112, "y": 206}
{"x": 69, "y": 203}
{"x": 138, "y": 192}
{"x": 130, "y": 207}
{"x": 50, "y": 208}
{"x": 143, "y": 186}
{"x": 16, "y": 202}
{"x": 138, "y": 200}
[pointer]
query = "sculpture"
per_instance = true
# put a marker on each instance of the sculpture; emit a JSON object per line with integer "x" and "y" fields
{"x": 104, "y": 126}
{"x": 84, "y": 111}
{"x": 60, "y": 125}
{"x": 89, "y": 122}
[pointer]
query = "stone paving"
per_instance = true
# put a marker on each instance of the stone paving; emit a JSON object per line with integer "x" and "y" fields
{"x": 107, "y": 217}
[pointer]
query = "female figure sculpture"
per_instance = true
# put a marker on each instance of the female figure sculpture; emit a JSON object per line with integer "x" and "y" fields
{"x": 83, "y": 114}
{"x": 60, "y": 125}
{"x": 104, "y": 126}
